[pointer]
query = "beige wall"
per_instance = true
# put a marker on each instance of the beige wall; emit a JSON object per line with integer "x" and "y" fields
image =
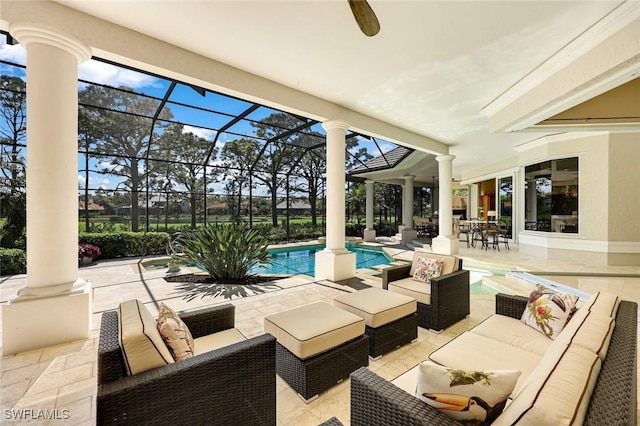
{"x": 609, "y": 186}
{"x": 624, "y": 187}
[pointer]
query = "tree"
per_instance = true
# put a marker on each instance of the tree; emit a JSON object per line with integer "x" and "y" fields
{"x": 126, "y": 134}
{"x": 357, "y": 198}
{"x": 188, "y": 153}
{"x": 13, "y": 130}
{"x": 311, "y": 169}
{"x": 276, "y": 155}
{"x": 237, "y": 156}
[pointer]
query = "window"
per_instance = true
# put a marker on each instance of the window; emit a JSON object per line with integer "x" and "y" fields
{"x": 551, "y": 196}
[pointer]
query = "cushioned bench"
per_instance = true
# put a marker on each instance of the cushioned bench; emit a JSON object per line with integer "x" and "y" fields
{"x": 390, "y": 318}
{"x": 317, "y": 346}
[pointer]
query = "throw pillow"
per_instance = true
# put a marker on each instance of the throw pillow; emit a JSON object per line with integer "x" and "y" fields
{"x": 471, "y": 397}
{"x": 427, "y": 268}
{"x": 548, "y": 310}
{"x": 175, "y": 333}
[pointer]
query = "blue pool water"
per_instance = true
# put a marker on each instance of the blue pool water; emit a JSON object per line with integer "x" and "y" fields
{"x": 302, "y": 260}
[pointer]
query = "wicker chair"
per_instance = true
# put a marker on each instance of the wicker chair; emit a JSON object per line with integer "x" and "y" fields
{"x": 232, "y": 385}
{"x": 449, "y": 294}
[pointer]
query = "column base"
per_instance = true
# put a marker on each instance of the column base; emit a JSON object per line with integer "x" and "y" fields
{"x": 369, "y": 235}
{"x": 36, "y": 322}
{"x": 445, "y": 245}
{"x": 408, "y": 235}
{"x": 334, "y": 265}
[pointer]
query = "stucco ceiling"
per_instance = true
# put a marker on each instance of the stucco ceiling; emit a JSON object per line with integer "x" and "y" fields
{"x": 431, "y": 70}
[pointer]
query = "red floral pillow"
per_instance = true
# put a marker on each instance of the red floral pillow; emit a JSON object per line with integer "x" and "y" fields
{"x": 427, "y": 268}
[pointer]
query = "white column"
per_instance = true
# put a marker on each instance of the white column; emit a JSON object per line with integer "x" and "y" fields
{"x": 369, "y": 232}
{"x": 55, "y": 305}
{"x": 407, "y": 206}
{"x": 445, "y": 243}
{"x": 408, "y": 232}
{"x": 335, "y": 262}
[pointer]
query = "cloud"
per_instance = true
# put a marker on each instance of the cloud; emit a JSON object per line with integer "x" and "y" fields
{"x": 95, "y": 182}
{"x": 200, "y": 132}
{"x": 16, "y": 54}
{"x": 103, "y": 73}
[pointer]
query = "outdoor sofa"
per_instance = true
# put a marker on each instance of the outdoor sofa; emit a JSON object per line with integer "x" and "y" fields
{"x": 440, "y": 303}
{"x": 612, "y": 401}
{"x": 234, "y": 384}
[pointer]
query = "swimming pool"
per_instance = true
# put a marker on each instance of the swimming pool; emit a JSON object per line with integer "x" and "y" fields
{"x": 301, "y": 260}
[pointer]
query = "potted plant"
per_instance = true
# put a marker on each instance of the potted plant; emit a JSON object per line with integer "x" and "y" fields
{"x": 87, "y": 252}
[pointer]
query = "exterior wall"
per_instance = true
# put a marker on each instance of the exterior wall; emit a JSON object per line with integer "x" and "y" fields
{"x": 609, "y": 199}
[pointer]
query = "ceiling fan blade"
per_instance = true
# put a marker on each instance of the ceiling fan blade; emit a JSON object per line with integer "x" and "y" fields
{"x": 365, "y": 17}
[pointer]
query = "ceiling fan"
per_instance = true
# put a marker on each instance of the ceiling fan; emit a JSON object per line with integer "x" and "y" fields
{"x": 365, "y": 17}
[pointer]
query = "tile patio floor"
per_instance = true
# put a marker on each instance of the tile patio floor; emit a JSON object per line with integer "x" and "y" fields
{"x": 63, "y": 377}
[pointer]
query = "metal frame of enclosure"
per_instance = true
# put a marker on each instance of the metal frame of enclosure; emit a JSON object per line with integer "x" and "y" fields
{"x": 213, "y": 120}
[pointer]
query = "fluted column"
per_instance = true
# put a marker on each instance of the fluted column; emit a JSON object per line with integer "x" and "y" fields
{"x": 369, "y": 232}
{"x": 445, "y": 243}
{"x": 46, "y": 311}
{"x": 335, "y": 262}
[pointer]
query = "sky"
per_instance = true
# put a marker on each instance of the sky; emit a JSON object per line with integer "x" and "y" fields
{"x": 107, "y": 74}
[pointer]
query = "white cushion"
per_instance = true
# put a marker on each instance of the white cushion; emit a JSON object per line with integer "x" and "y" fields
{"x": 140, "y": 341}
{"x": 217, "y": 340}
{"x": 376, "y": 306}
{"x": 592, "y": 331}
{"x": 471, "y": 351}
{"x": 514, "y": 333}
{"x": 409, "y": 287}
{"x": 557, "y": 392}
{"x": 603, "y": 303}
{"x": 315, "y": 328}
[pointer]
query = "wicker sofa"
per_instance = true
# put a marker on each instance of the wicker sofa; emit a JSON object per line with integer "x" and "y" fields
{"x": 234, "y": 384}
{"x": 443, "y": 302}
{"x": 378, "y": 402}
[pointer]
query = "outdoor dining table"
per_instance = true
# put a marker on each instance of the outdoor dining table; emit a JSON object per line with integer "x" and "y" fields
{"x": 478, "y": 230}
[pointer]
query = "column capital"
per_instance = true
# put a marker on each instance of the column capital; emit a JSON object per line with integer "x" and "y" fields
{"x": 447, "y": 157}
{"x": 27, "y": 33}
{"x": 334, "y": 124}
{"x": 369, "y": 182}
{"x": 408, "y": 177}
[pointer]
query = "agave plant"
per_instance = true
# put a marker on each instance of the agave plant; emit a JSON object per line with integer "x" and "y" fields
{"x": 227, "y": 252}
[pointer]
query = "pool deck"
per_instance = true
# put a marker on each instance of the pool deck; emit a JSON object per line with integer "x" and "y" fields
{"x": 64, "y": 376}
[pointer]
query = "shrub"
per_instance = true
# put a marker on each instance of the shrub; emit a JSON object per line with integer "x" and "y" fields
{"x": 88, "y": 250}
{"x": 12, "y": 261}
{"x": 227, "y": 252}
{"x": 123, "y": 244}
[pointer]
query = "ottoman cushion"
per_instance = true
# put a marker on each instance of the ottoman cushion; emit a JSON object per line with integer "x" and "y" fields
{"x": 312, "y": 329}
{"x": 377, "y": 307}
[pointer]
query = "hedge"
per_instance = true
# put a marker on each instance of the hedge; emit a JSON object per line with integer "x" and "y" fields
{"x": 12, "y": 261}
{"x": 124, "y": 244}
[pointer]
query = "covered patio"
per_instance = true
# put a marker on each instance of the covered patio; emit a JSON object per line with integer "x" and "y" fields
{"x": 485, "y": 105}
{"x": 63, "y": 376}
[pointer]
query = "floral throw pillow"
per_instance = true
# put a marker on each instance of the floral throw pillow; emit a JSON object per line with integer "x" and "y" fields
{"x": 470, "y": 397}
{"x": 427, "y": 268}
{"x": 175, "y": 333}
{"x": 548, "y": 310}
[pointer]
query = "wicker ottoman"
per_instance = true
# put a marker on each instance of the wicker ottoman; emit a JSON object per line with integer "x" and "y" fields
{"x": 391, "y": 319}
{"x": 318, "y": 345}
